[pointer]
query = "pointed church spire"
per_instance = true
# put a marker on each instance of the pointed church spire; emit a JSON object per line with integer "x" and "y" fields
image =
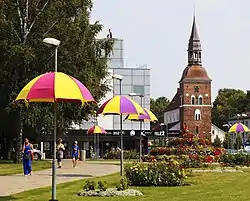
{"x": 194, "y": 46}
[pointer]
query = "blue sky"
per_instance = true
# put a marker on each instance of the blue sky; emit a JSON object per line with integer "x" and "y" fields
{"x": 156, "y": 33}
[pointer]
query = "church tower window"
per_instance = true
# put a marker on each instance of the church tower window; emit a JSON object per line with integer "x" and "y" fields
{"x": 193, "y": 100}
{"x": 197, "y": 115}
{"x": 200, "y": 100}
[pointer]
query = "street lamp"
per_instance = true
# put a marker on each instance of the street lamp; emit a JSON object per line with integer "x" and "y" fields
{"x": 140, "y": 145}
{"x": 120, "y": 78}
{"x": 166, "y": 135}
{"x": 54, "y": 43}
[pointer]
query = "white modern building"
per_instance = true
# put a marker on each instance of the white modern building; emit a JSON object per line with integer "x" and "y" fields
{"x": 135, "y": 80}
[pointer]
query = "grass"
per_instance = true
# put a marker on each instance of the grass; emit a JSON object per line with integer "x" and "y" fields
{"x": 9, "y": 168}
{"x": 204, "y": 187}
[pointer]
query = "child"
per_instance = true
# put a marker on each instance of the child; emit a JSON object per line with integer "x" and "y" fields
{"x": 75, "y": 154}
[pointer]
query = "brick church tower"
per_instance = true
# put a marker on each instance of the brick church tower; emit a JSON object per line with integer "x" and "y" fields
{"x": 195, "y": 91}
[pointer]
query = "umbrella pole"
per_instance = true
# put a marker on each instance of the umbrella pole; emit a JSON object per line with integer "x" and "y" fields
{"x": 54, "y": 157}
{"x": 140, "y": 145}
{"x": 121, "y": 158}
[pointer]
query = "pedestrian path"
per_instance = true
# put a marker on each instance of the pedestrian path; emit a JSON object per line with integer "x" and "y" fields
{"x": 19, "y": 183}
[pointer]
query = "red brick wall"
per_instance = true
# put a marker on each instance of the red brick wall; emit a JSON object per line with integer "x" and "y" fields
{"x": 187, "y": 113}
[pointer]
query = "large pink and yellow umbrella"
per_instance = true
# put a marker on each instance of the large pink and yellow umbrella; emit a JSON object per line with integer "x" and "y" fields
{"x": 55, "y": 87}
{"x": 148, "y": 116}
{"x": 96, "y": 130}
{"x": 120, "y": 105}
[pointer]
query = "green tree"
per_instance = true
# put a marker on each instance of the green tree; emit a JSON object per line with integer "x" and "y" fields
{"x": 158, "y": 107}
{"x": 23, "y": 26}
{"x": 228, "y": 103}
{"x": 217, "y": 142}
{"x": 227, "y": 143}
{"x": 238, "y": 141}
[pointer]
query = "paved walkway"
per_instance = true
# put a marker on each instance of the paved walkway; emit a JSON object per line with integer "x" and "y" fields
{"x": 19, "y": 183}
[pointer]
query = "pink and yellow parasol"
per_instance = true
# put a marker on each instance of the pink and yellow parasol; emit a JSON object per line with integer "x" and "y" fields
{"x": 55, "y": 87}
{"x": 238, "y": 128}
{"x": 120, "y": 105}
{"x": 96, "y": 130}
{"x": 148, "y": 116}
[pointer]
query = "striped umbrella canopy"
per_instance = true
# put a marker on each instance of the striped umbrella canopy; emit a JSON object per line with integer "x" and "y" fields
{"x": 55, "y": 87}
{"x": 120, "y": 105}
{"x": 96, "y": 130}
{"x": 238, "y": 128}
{"x": 148, "y": 116}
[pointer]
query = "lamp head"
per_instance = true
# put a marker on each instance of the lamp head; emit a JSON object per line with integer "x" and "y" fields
{"x": 136, "y": 94}
{"x": 117, "y": 76}
{"x": 51, "y": 42}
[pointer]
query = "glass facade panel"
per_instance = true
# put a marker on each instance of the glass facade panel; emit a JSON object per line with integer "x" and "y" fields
{"x": 147, "y": 80}
{"x": 118, "y": 44}
{"x": 138, "y": 89}
{"x": 138, "y": 80}
{"x": 126, "y": 89}
{"x": 138, "y": 72}
{"x": 115, "y": 63}
{"x": 147, "y": 90}
{"x": 116, "y": 54}
{"x": 123, "y": 72}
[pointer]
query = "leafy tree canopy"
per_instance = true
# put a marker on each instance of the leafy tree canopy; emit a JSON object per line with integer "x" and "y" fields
{"x": 228, "y": 103}
{"x": 158, "y": 107}
{"x": 23, "y": 26}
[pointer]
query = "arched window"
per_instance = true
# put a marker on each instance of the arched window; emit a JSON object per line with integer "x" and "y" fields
{"x": 197, "y": 129}
{"x": 193, "y": 100}
{"x": 197, "y": 115}
{"x": 200, "y": 100}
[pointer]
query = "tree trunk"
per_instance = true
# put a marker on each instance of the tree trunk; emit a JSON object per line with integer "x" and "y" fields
{"x": 17, "y": 131}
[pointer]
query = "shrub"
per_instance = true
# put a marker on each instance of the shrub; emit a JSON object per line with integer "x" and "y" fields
{"x": 217, "y": 142}
{"x": 123, "y": 185}
{"x": 235, "y": 159}
{"x": 102, "y": 185}
{"x": 115, "y": 154}
{"x": 156, "y": 174}
{"x": 89, "y": 185}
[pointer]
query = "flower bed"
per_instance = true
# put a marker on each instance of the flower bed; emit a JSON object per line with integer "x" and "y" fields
{"x": 110, "y": 192}
{"x": 186, "y": 161}
{"x": 187, "y": 150}
{"x": 156, "y": 174}
{"x": 90, "y": 189}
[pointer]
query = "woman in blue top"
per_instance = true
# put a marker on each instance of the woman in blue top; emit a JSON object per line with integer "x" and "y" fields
{"x": 75, "y": 154}
{"x": 27, "y": 157}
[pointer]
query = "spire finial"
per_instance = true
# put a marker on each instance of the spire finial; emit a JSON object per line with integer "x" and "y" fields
{"x": 194, "y": 10}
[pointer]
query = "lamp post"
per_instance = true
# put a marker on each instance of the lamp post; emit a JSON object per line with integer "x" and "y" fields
{"x": 140, "y": 144}
{"x": 54, "y": 43}
{"x": 228, "y": 125}
{"x": 166, "y": 139}
{"x": 120, "y": 78}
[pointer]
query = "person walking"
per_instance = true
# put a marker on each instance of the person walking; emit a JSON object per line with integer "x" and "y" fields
{"x": 27, "y": 152}
{"x": 60, "y": 148}
{"x": 75, "y": 154}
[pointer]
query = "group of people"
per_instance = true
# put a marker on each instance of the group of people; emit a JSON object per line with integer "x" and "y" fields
{"x": 75, "y": 153}
{"x": 28, "y": 155}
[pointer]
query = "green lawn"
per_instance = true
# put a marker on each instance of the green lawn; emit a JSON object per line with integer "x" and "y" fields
{"x": 8, "y": 167}
{"x": 204, "y": 187}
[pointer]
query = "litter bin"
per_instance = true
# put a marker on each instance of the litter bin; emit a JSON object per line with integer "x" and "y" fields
{"x": 83, "y": 155}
